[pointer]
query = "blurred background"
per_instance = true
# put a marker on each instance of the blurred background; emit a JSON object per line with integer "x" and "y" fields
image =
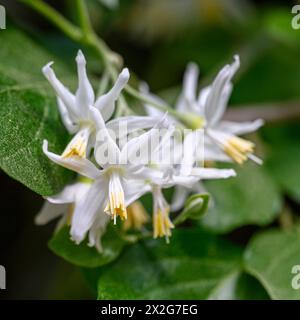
{"x": 157, "y": 38}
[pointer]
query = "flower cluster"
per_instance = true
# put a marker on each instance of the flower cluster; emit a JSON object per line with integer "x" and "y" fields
{"x": 109, "y": 184}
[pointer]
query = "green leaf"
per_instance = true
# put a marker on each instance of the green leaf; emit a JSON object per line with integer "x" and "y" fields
{"x": 250, "y": 198}
{"x": 28, "y": 113}
{"x": 241, "y": 286}
{"x": 283, "y": 163}
{"x": 195, "y": 265}
{"x": 270, "y": 257}
{"x": 194, "y": 208}
{"x": 84, "y": 256}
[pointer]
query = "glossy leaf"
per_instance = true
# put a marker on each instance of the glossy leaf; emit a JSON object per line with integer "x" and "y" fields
{"x": 195, "y": 265}
{"x": 250, "y": 198}
{"x": 271, "y": 257}
{"x": 84, "y": 256}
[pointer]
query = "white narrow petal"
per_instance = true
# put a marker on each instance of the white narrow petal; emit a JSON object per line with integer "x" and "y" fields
{"x": 69, "y": 194}
{"x": 213, "y": 152}
{"x": 97, "y": 230}
{"x": 65, "y": 117}
{"x": 77, "y": 164}
{"x": 185, "y": 181}
{"x": 220, "y": 91}
{"x": 213, "y": 107}
{"x": 145, "y": 143}
{"x": 126, "y": 125}
{"x": 190, "y": 144}
{"x": 104, "y": 141}
{"x": 134, "y": 189}
{"x": 62, "y": 92}
{"x": 86, "y": 210}
{"x": 240, "y": 128}
{"x": 207, "y": 173}
{"x": 106, "y": 103}
{"x": 179, "y": 197}
{"x": 187, "y": 98}
{"x": 49, "y": 212}
{"x": 203, "y": 95}
{"x": 85, "y": 94}
{"x": 190, "y": 82}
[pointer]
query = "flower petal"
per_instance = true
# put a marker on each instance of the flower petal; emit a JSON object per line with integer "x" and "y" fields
{"x": 187, "y": 99}
{"x": 192, "y": 143}
{"x": 70, "y": 193}
{"x": 85, "y": 94}
{"x": 65, "y": 117}
{"x": 106, "y": 103}
{"x": 179, "y": 197}
{"x": 134, "y": 189}
{"x": 86, "y": 210}
{"x": 75, "y": 163}
{"x": 240, "y": 128}
{"x": 126, "y": 125}
{"x": 49, "y": 212}
{"x": 141, "y": 144}
{"x": 213, "y": 152}
{"x": 97, "y": 230}
{"x": 62, "y": 92}
{"x": 208, "y": 173}
{"x": 190, "y": 83}
{"x": 104, "y": 142}
{"x": 220, "y": 91}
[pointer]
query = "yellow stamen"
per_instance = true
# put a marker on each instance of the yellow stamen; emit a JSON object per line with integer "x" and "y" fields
{"x": 137, "y": 216}
{"x": 116, "y": 206}
{"x": 238, "y": 149}
{"x": 162, "y": 224}
{"x": 78, "y": 148}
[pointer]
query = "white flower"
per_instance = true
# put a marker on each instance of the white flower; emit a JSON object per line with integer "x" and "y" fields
{"x": 63, "y": 205}
{"x": 222, "y": 141}
{"x": 116, "y": 185}
{"x": 74, "y": 108}
{"x": 162, "y": 224}
{"x": 185, "y": 176}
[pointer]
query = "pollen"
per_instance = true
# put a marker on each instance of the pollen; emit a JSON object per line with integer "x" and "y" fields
{"x": 137, "y": 216}
{"x": 162, "y": 224}
{"x": 238, "y": 149}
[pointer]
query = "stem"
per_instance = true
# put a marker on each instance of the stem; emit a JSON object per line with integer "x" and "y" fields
{"x": 56, "y": 18}
{"x": 87, "y": 36}
{"x": 103, "y": 84}
{"x": 160, "y": 106}
{"x": 84, "y": 18}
